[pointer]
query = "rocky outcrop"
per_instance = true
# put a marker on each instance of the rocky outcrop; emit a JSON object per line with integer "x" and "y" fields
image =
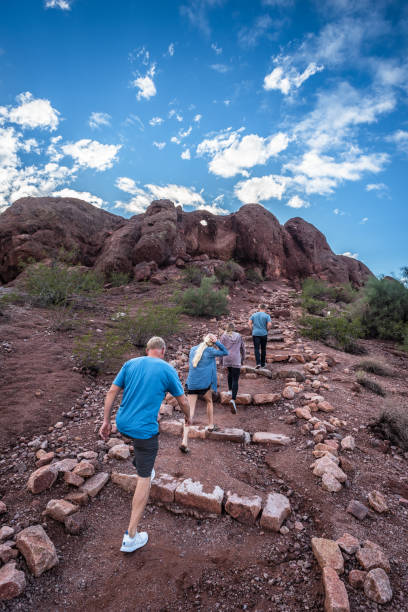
{"x": 37, "y": 228}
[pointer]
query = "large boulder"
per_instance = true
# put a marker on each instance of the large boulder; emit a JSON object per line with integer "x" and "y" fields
{"x": 37, "y": 228}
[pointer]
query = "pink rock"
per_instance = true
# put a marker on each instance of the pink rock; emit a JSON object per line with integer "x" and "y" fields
{"x": 266, "y": 398}
{"x": 3, "y": 508}
{"x": 267, "y": 437}
{"x": 370, "y": 556}
{"x": 336, "y": 595}
{"x": 190, "y": 493}
{"x": 377, "y": 501}
{"x": 325, "y": 406}
{"x": 42, "y": 479}
{"x": 327, "y": 553}
{"x": 94, "y": 484}
{"x": 171, "y": 427}
{"x": 12, "y": 581}
{"x": 163, "y": 488}
{"x": 357, "y": 578}
{"x": 348, "y": 543}
{"x": 276, "y": 510}
{"x": 377, "y": 586}
{"x": 303, "y": 413}
{"x": 37, "y": 549}
{"x": 244, "y": 509}
{"x": 243, "y": 399}
{"x": 59, "y": 509}
{"x": 127, "y": 482}
{"x": 73, "y": 479}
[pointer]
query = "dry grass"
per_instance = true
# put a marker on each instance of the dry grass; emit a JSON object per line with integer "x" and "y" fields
{"x": 392, "y": 424}
{"x": 373, "y": 367}
{"x": 369, "y": 384}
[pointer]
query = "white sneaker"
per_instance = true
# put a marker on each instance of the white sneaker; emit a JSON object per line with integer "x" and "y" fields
{"x": 233, "y": 406}
{"x": 152, "y": 475}
{"x": 131, "y": 544}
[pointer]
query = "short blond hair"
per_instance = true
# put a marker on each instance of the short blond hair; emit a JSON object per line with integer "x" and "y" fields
{"x": 156, "y": 343}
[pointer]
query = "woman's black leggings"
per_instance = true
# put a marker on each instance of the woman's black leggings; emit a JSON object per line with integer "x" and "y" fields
{"x": 233, "y": 376}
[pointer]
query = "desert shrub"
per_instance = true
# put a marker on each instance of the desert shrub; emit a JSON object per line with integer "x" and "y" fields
{"x": 117, "y": 279}
{"x": 373, "y": 367}
{"x": 97, "y": 353}
{"x": 205, "y": 301}
{"x": 385, "y": 313}
{"x": 193, "y": 274}
{"x": 313, "y": 306}
{"x": 58, "y": 284}
{"x": 62, "y": 319}
{"x": 338, "y": 332}
{"x": 369, "y": 384}
{"x": 254, "y": 275}
{"x": 392, "y": 424}
{"x": 150, "y": 320}
{"x": 228, "y": 272}
{"x": 317, "y": 289}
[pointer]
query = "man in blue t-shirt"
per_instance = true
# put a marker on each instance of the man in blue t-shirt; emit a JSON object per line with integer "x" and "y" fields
{"x": 145, "y": 382}
{"x": 259, "y": 323}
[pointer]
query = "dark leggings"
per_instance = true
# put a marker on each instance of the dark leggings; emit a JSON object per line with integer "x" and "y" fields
{"x": 260, "y": 342}
{"x": 233, "y": 376}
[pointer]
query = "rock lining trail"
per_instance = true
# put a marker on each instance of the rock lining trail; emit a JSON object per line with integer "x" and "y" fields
{"x": 288, "y": 492}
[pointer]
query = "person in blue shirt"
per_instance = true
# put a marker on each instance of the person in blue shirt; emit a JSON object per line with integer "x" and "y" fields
{"x": 259, "y": 324}
{"x": 202, "y": 380}
{"x": 145, "y": 382}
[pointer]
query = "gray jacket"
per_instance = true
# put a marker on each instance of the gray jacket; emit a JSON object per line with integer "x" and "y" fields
{"x": 234, "y": 343}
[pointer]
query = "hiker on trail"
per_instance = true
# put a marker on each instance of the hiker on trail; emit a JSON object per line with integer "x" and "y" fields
{"x": 145, "y": 382}
{"x": 259, "y": 324}
{"x": 235, "y": 345}
{"x": 202, "y": 380}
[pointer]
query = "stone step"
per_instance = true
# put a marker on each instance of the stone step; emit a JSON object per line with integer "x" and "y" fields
{"x": 227, "y": 434}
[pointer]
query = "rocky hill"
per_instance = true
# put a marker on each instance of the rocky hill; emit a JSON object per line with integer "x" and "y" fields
{"x": 37, "y": 228}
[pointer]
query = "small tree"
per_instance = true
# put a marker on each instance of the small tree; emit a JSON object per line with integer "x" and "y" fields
{"x": 150, "y": 320}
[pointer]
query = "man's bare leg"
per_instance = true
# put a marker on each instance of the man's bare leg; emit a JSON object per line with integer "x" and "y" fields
{"x": 210, "y": 408}
{"x": 192, "y": 401}
{"x": 139, "y": 504}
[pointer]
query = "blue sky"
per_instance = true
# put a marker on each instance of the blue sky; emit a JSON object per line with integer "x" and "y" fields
{"x": 298, "y": 105}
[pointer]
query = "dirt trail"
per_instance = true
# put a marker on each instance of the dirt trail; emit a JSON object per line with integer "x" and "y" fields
{"x": 190, "y": 563}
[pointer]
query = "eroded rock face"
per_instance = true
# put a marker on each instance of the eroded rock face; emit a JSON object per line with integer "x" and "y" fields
{"x": 164, "y": 235}
{"x": 37, "y": 228}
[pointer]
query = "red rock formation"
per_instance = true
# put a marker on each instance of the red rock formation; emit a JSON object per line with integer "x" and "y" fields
{"x": 38, "y": 227}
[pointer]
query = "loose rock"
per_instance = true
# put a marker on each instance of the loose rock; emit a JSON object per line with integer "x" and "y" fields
{"x": 37, "y": 549}
{"x": 276, "y": 510}
{"x": 12, "y": 581}
{"x": 327, "y": 553}
{"x": 336, "y": 599}
{"x": 377, "y": 586}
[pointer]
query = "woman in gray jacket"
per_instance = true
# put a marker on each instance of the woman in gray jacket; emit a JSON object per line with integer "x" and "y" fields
{"x": 234, "y": 343}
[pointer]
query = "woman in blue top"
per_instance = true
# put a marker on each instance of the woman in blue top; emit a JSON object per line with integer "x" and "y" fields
{"x": 202, "y": 379}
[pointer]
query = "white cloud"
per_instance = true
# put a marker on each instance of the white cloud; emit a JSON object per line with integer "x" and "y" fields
{"x": 53, "y": 151}
{"x": 174, "y": 113}
{"x": 181, "y": 135}
{"x": 197, "y": 118}
{"x": 364, "y": 220}
{"x": 143, "y": 196}
{"x": 97, "y": 120}
{"x": 352, "y": 255}
{"x": 186, "y": 154}
{"x": 145, "y": 84}
{"x": 286, "y": 78}
{"x": 196, "y": 12}
{"x": 261, "y": 189}
{"x": 296, "y": 202}
{"x": 217, "y": 50}
{"x": 227, "y": 102}
{"x": 81, "y": 195}
{"x": 318, "y": 173}
{"x": 231, "y": 154}
{"x": 400, "y": 139}
{"x": 64, "y": 5}
{"x": 133, "y": 119}
{"x": 170, "y": 50}
{"x": 221, "y": 68}
{"x": 376, "y": 187}
{"x": 156, "y": 121}
{"x": 32, "y": 113}
{"x": 337, "y": 115}
{"x": 159, "y": 145}
{"x": 337, "y": 211}
{"x": 92, "y": 154}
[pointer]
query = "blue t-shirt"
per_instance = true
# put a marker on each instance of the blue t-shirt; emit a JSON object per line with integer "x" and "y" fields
{"x": 145, "y": 382}
{"x": 260, "y": 321}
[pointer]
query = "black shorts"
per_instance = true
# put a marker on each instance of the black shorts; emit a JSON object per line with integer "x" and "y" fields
{"x": 145, "y": 455}
{"x": 196, "y": 391}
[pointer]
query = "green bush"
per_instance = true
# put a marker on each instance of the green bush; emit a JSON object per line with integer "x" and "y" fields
{"x": 385, "y": 313}
{"x": 150, "y": 320}
{"x": 313, "y": 306}
{"x": 369, "y": 384}
{"x": 373, "y": 367}
{"x": 338, "y": 332}
{"x": 193, "y": 274}
{"x": 254, "y": 275}
{"x": 96, "y": 353}
{"x": 58, "y": 284}
{"x": 117, "y": 279}
{"x": 313, "y": 288}
{"x": 392, "y": 424}
{"x": 228, "y": 272}
{"x": 205, "y": 301}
